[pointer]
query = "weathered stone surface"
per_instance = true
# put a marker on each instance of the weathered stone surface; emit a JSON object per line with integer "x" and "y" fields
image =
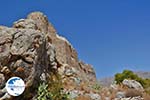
{"x": 65, "y": 53}
{"x": 32, "y": 49}
{"x": 2, "y": 80}
{"x": 88, "y": 70}
{"x": 25, "y": 24}
{"x": 133, "y": 84}
{"x": 130, "y": 98}
{"x": 25, "y": 53}
{"x": 94, "y": 96}
{"x": 120, "y": 95}
{"x": 40, "y": 20}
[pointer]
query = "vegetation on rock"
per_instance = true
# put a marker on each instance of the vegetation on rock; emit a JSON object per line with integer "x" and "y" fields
{"x": 53, "y": 90}
{"x": 127, "y": 74}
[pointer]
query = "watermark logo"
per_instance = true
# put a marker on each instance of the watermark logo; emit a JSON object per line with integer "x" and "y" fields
{"x": 15, "y": 86}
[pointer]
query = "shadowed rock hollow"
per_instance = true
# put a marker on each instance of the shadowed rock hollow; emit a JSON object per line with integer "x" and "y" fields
{"x": 32, "y": 49}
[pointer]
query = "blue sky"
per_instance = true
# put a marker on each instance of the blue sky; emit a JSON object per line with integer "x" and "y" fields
{"x": 112, "y": 35}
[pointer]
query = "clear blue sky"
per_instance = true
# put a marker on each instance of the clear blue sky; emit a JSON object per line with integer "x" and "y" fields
{"x": 112, "y": 35}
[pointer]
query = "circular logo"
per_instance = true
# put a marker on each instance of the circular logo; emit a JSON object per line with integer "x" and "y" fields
{"x": 15, "y": 86}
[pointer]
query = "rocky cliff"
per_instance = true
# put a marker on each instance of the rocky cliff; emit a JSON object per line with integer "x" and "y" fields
{"x": 32, "y": 49}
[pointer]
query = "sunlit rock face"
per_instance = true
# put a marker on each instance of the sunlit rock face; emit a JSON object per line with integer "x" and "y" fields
{"x": 31, "y": 49}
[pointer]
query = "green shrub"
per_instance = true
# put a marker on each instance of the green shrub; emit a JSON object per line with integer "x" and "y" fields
{"x": 97, "y": 86}
{"x": 53, "y": 90}
{"x": 127, "y": 74}
{"x": 56, "y": 87}
{"x": 43, "y": 93}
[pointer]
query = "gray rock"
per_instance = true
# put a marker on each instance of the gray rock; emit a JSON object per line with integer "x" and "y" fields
{"x": 95, "y": 96}
{"x": 74, "y": 94}
{"x": 2, "y": 80}
{"x": 133, "y": 84}
{"x": 23, "y": 53}
{"x": 130, "y": 98}
{"x": 25, "y": 24}
{"x": 69, "y": 72}
{"x": 120, "y": 94}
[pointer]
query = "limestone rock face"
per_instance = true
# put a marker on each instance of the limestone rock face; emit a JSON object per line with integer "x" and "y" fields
{"x": 31, "y": 49}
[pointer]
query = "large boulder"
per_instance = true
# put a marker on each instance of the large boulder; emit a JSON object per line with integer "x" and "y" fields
{"x": 133, "y": 84}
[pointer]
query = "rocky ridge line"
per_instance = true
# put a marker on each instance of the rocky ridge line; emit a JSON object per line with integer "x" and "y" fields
{"x": 32, "y": 49}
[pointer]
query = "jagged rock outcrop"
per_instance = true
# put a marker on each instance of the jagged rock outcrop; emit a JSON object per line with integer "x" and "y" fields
{"x": 32, "y": 49}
